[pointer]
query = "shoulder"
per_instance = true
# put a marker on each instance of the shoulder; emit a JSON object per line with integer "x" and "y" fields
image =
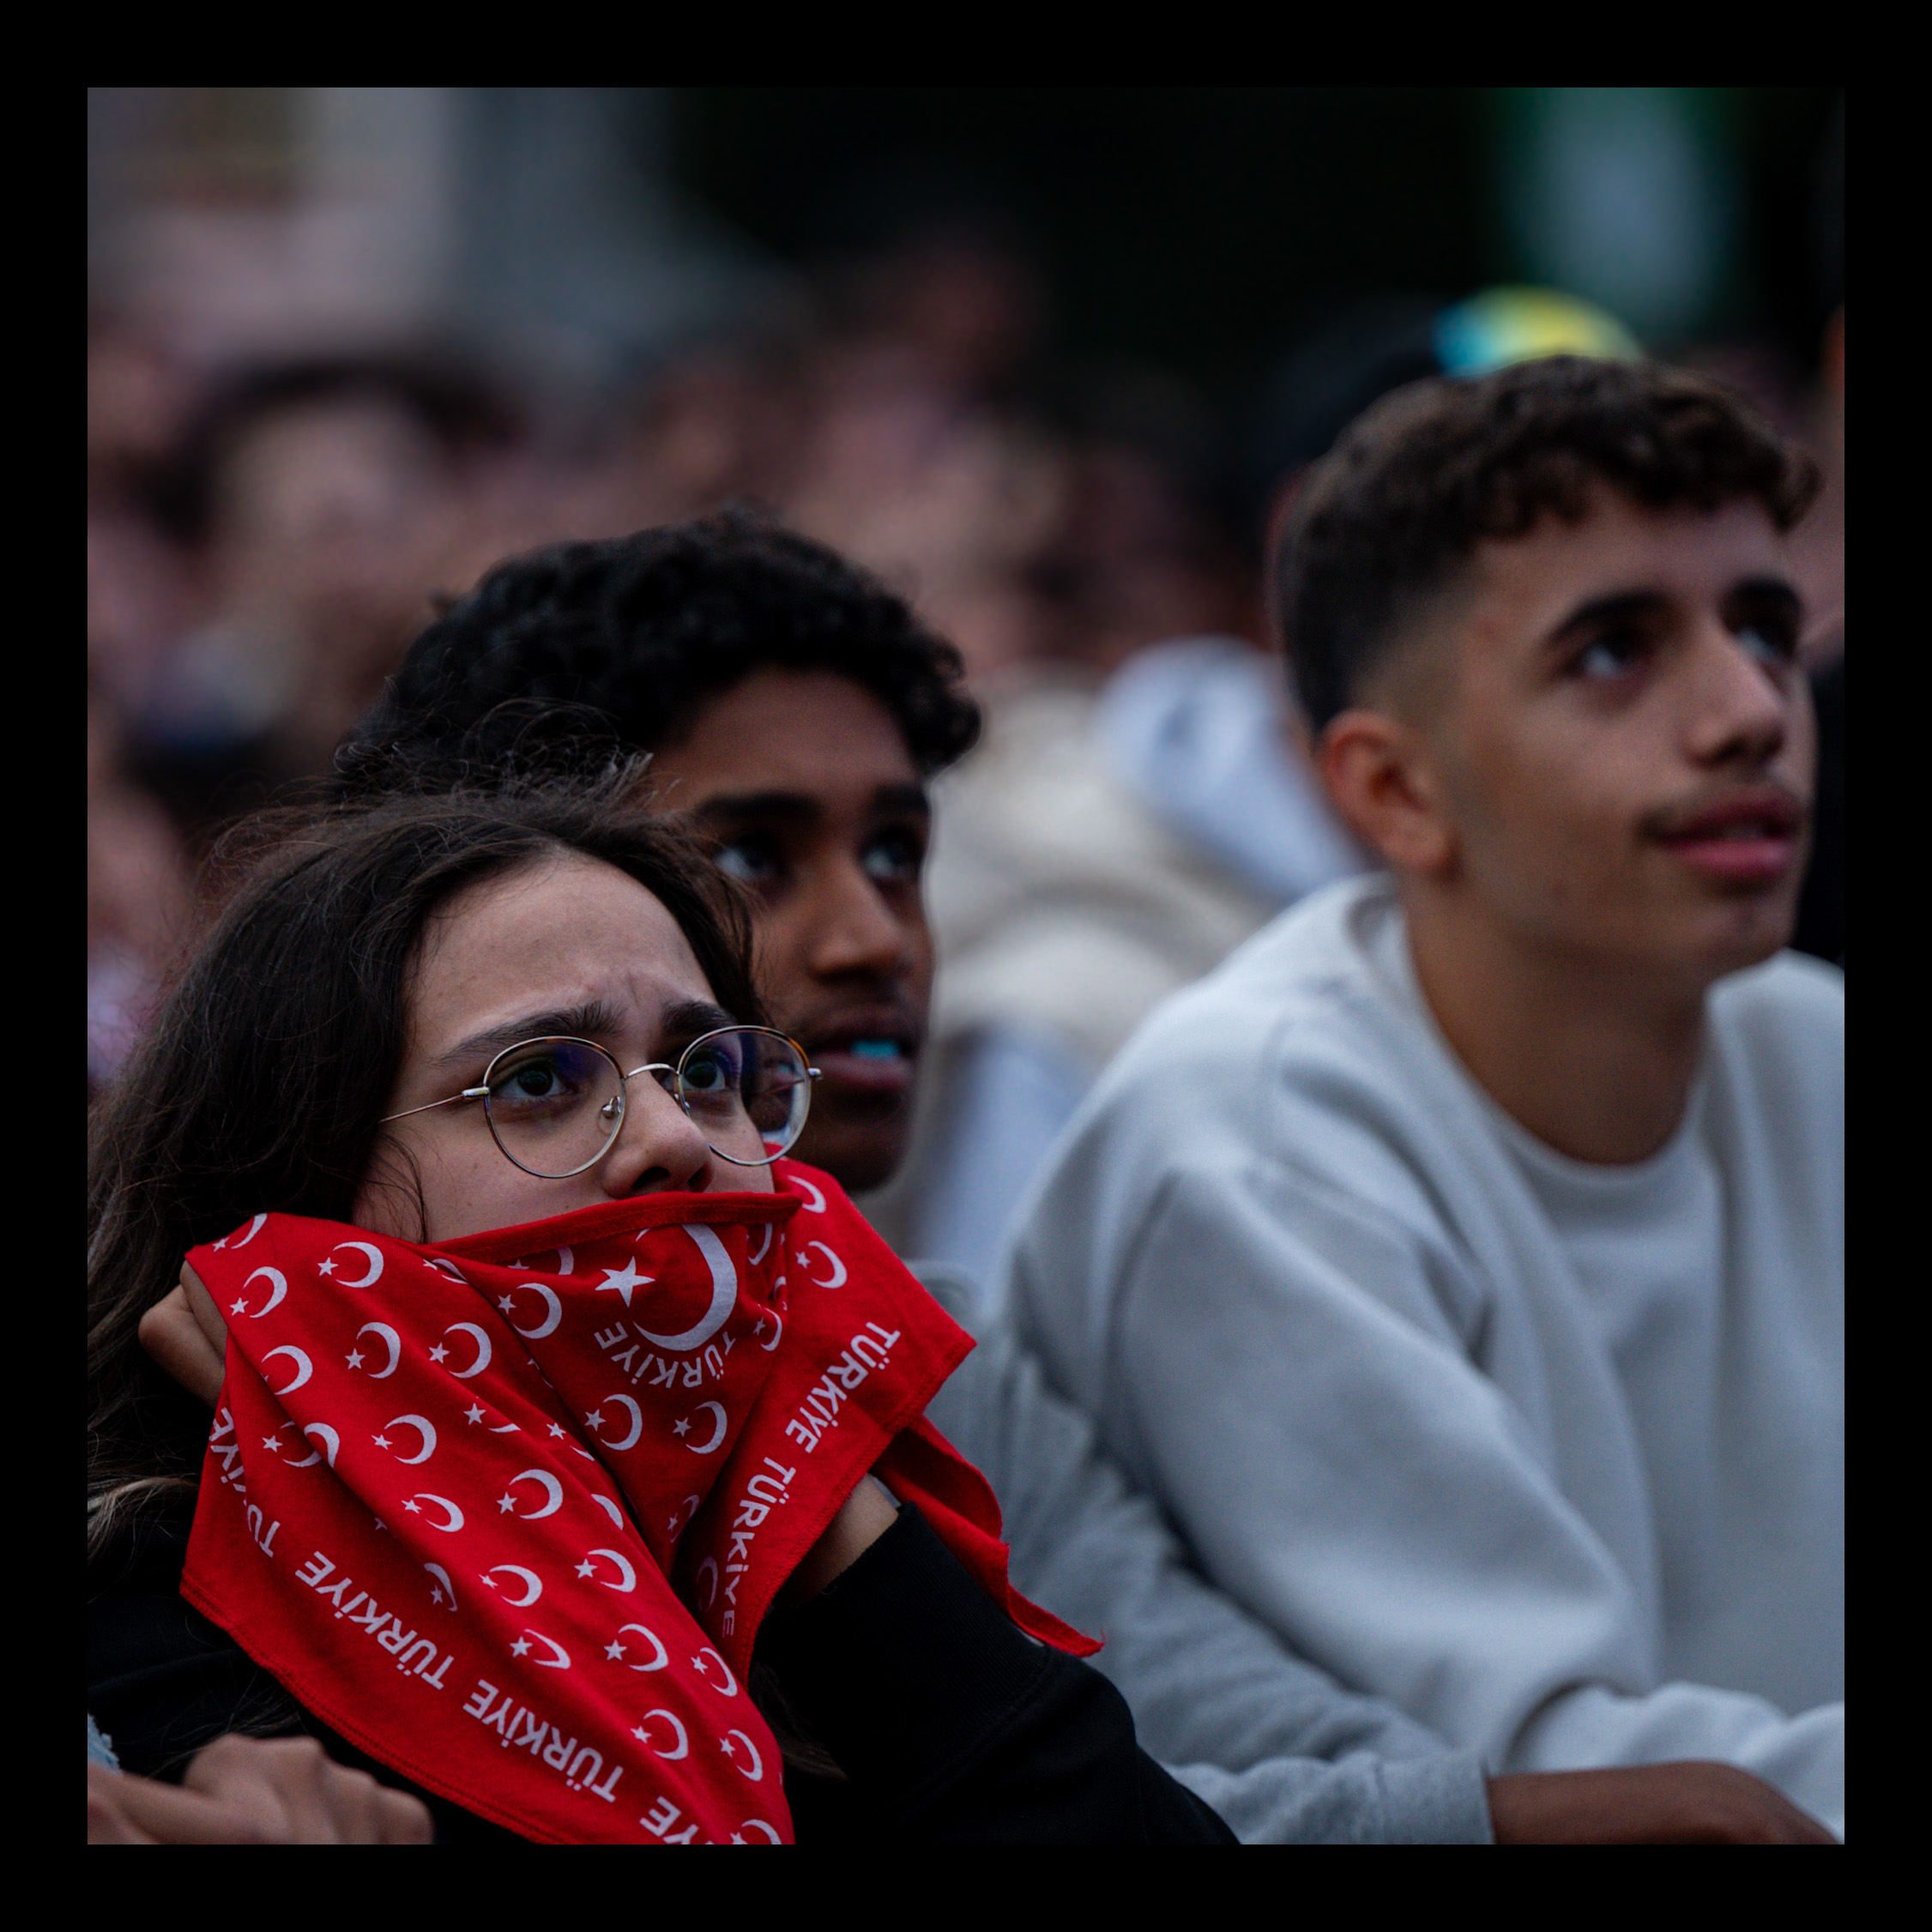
{"x": 1765, "y": 1002}
{"x": 1778, "y": 1049}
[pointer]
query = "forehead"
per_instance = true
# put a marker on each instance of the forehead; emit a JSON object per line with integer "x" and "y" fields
{"x": 559, "y": 932}
{"x": 1519, "y": 587}
{"x": 812, "y": 733}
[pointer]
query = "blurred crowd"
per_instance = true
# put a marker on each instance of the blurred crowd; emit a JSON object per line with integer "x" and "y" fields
{"x": 264, "y": 540}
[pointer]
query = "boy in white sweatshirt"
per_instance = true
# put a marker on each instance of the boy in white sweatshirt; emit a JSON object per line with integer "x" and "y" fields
{"x": 1461, "y": 1264}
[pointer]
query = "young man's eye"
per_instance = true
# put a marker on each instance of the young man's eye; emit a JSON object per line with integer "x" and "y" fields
{"x": 750, "y": 860}
{"x": 1772, "y": 641}
{"x": 894, "y": 858}
{"x": 1611, "y": 657}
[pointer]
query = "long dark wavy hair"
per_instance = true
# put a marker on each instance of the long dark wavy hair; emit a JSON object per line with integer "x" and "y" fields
{"x": 262, "y": 1080}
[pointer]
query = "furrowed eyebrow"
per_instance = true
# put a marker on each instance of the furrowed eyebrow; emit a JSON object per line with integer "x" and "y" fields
{"x": 574, "y": 1023}
{"x": 690, "y": 1017}
{"x": 1759, "y": 592}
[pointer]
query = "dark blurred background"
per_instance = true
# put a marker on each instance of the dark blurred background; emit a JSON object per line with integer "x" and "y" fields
{"x": 1043, "y": 357}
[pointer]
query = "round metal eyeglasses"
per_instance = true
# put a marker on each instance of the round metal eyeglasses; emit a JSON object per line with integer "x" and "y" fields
{"x": 555, "y": 1107}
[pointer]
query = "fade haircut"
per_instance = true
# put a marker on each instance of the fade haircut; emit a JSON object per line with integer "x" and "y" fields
{"x": 1399, "y": 506}
{"x": 570, "y": 655}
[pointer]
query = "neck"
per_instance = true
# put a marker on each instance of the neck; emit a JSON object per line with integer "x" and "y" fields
{"x": 1577, "y": 1050}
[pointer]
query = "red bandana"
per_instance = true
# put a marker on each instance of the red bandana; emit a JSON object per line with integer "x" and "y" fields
{"x": 450, "y": 1490}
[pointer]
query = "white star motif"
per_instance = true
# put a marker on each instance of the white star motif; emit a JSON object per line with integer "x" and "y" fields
{"x": 725, "y": 1745}
{"x": 438, "y": 1353}
{"x": 355, "y": 1358}
{"x": 413, "y": 1507}
{"x": 382, "y": 1528}
{"x": 520, "y": 1648}
{"x": 555, "y": 1429}
{"x": 642, "y": 1735}
{"x": 268, "y": 1442}
{"x": 326, "y": 1267}
{"x": 473, "y": 1414}
{"x": 505, "y": 1302}
{"x": 435, "y": 1593}
{"x": 507, "y": 1503}
{"x": 587, "y": 1568}
{"x": 671, "y": 1528}
{"x": 623, "y": 1280}
{"x": 381, "y": 1441}
{"x": 223, "y": 1242}
{"x": 595, "y": 1419}
{"x": 682, "y": 1426}
{"x": 488, "y": 1581}
{"x": 613, "y": 1651}
{"x": 238, "y": 1308}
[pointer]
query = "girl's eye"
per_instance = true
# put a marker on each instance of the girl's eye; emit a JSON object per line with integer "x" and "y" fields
{"x": 1769, "y": 642}
{"x": 751, "y": 860}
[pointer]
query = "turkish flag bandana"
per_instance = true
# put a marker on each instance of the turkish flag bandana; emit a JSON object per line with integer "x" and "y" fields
{"x": 507, "y": 1512}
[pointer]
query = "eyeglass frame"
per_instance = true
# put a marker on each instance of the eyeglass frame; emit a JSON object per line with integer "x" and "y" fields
{"x": 482, "y": 1093}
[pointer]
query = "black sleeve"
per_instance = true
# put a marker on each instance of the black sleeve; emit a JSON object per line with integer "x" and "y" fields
{"x": 162, "y": 1680}
{"x": 953, "y": 1726}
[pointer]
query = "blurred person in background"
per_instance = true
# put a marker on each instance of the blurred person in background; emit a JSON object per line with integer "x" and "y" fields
{"x": 1462, "y": 1263}
{"x": 1142, "y": 802}
{"x": 795, "y": 710}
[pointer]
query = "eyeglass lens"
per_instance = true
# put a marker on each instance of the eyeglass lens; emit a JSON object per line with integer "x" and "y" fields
{"x": 556, "y": 1105}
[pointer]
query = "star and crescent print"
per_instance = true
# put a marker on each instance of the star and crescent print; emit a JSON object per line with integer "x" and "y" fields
{"x": 511, "y": 1527}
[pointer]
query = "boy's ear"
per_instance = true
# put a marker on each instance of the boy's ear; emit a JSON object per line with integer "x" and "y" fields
{"x": 1380, "y": 779}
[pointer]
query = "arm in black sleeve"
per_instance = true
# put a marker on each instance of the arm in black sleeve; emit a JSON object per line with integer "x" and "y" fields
{"x": 163, "y": 1681}
{"x": 956, "y": 1727}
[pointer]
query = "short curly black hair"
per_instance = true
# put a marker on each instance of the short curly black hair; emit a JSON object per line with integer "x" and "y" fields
{"x": 1418, "y": 480}
{"x": 573, "y": 654}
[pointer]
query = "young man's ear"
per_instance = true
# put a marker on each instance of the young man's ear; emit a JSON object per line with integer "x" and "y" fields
{"x": 1380, "y": 779}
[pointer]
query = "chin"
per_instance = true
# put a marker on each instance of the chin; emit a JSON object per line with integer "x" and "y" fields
{"x": 859, "y": 1155}
{"x": 1746, "y": 931}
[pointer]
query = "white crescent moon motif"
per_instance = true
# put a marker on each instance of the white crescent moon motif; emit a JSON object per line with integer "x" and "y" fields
{"x": 445, "y": 1267}
{"x": 482, "y": 1360}
{"x": 623, "y": 1562}
{"x": 331, "y": 1442}
{"x": 814, "y": 1197}
{"x": 560, "y": 1662}
{"x": 278, "y": 1286}
{"x": 756, "y": 1774}
{"x": 752, "y": 1260}
{"x": 663, "y": 1656}
{"x": 710, "y": 1563}
{"x": 548, "y": 1326}
{"x": 637, "y": 1421}
{"x": 425, "y": 1427}
{"x": 254, "y": 1228}
{"x": 455, "y": 1520}
{"x": 670, "y": 1717}
{"x": 764, "y": 1830}
{"x": 553, "y": 1488}
{"x": 838, "y": 1275}
{"x": 375, "y": 1256}
{"x": 443, "y": 1577}
{"x": 777, "y": 1330}
{"x": 729, "y": 1688}
{"x": 529, "y": 1577}
{"x": 394, "y": 1343}
{"x": 717, "y": 1434}
{"x": 565, "y": 1261}
{"x": 609, "y": 1508}
{"x": 304, "y": 1367}
{"x": 724, "y": 1294}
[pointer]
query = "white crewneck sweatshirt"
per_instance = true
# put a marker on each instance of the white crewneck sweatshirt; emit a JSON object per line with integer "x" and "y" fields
{"x": 1550, "y": 1454}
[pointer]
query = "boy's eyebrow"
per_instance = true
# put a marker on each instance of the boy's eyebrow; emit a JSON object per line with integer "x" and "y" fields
{"x": 800, "y": 807}
{"x": 1620, "y": 606}
{"x": 690, "y": 1017}
{"x": 903, "y": 798}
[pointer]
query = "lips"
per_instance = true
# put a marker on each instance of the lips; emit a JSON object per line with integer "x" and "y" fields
{"x": 1751, "y": 836}
{"x": 874, "y": 1052}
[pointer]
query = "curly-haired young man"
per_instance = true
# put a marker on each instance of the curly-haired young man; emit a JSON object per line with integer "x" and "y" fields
{"x": 1462, "y": 1262}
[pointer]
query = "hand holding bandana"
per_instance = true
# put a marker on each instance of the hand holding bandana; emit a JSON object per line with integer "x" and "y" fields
{"x": 449, "y": 1487}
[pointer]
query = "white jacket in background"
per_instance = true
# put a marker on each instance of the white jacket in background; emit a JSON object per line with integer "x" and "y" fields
{"x": 1550, "y": 1455}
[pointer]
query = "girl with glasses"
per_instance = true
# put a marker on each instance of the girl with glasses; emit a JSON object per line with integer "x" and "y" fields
{"x": 422, "y": 1024}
